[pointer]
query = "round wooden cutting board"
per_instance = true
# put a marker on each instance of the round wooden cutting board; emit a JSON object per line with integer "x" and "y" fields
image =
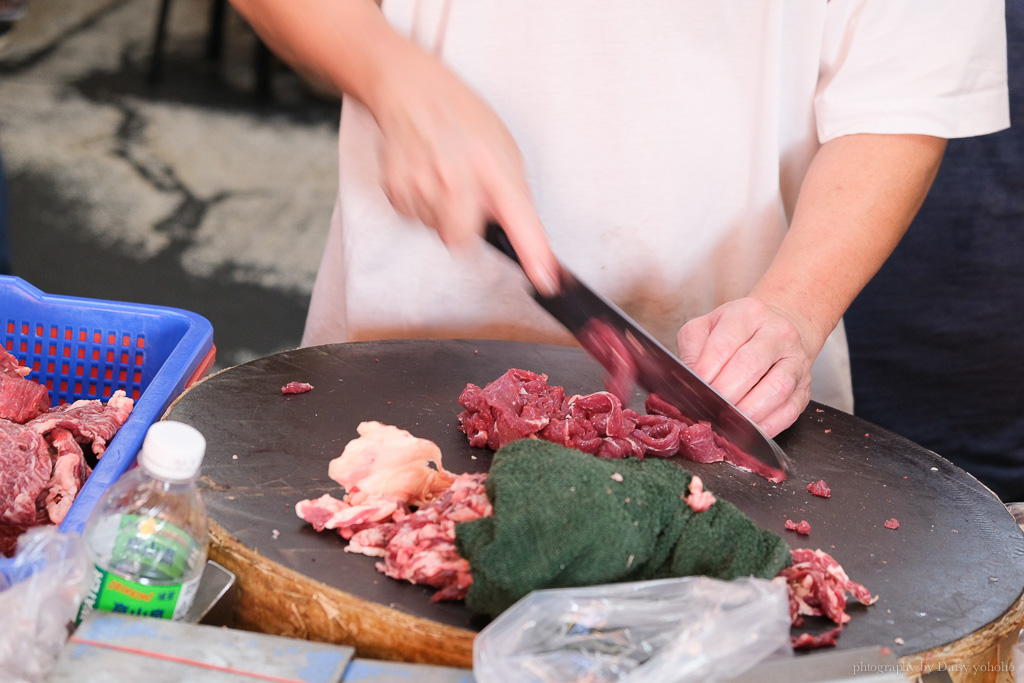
{"x": 949, "y": 579}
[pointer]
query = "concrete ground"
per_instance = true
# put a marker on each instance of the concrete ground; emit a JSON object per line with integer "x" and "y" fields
{"x": 190, "y": 192}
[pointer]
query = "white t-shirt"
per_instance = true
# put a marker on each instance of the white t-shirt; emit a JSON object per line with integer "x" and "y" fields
{"x": 664, "y": 143}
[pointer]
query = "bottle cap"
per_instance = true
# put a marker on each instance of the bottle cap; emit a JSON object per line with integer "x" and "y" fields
{"x": 172, "y": 451}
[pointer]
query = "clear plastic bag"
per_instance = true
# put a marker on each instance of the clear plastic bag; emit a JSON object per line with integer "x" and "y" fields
{"x": 40, "y": 592}
{"x": 678, "y": 630}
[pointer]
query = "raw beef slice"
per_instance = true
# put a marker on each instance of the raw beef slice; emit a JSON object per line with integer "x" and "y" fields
{"x": 24, "y": 471}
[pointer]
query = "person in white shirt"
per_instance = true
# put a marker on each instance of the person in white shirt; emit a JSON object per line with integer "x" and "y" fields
{"x": 731, "y": 174}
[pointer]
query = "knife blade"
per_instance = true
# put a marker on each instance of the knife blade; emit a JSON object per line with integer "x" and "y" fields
{"x": 629, "y": 353}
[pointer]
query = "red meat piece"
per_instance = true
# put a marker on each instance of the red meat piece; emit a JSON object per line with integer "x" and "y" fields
{"x": 700, "y": 443}
{"x": 596, "y": 424}
{"x": 21, "y": 399}
{"x": 806, "y": 641}
{"x": 296, "y": 388}
{"x": 24, "y": 471}
{"x": 820, "y": 488}
{"x": 803, "y": 527}
{"x": 70, "y": 471}
{"x": 89, "y": 420}
{"x": 521, "y": 404}
{"x": 42, "y": 466}
{"x": 421, "y": 548}
{"x": 658, "y": 435}
{"x": 892, "y": 523}
{"x": 9, "y": 365}
{"x": 517, "y": 404}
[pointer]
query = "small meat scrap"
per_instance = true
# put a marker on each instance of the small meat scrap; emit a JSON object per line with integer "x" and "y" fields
{"x": 296, "y": 388}
{"x": 807, "y": 641}
{"x": 699, "y": 499}
{"x": 616, "y": 476}
{"x": 892, "y": 523}
{"x": 820, "y": 488}
{"x": 804, "y": 527}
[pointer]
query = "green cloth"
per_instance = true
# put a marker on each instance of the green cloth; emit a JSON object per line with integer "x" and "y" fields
{"x": 561, "y": 519}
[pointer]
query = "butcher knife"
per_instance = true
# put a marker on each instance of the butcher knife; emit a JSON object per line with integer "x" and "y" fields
{"x": 627, "y": 352}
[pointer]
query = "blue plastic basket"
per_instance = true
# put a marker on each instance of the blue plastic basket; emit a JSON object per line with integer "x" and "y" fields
{"x": 89, "y": 348}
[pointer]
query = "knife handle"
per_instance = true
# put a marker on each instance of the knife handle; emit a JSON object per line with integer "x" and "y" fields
{"x": 496, "y": 237}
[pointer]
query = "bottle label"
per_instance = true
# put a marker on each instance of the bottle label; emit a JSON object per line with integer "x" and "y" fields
{"x": 160, "y": 555}
{"x": 113, "y": 593}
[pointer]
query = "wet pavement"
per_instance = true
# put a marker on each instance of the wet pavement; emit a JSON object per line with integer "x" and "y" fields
{"x": 189, "y": 192}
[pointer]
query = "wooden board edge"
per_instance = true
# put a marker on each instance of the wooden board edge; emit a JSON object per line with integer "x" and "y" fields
{"x": 274, "y": 599}
{"x": 984, "y": 650}
{"x": 179, "y": 397}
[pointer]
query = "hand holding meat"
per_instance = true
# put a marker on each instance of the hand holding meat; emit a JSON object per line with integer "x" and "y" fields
{"x": 449, "y": 161}
{"x": 755, "y": 357}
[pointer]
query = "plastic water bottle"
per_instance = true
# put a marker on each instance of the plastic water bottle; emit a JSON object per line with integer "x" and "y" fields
{"x": 148, "y": 535}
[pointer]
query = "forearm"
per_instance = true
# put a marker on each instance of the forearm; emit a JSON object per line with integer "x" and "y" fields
{"x": 447, "y": 159}
{"x": 858, "y": 198}
{"x": 344, "y": 44}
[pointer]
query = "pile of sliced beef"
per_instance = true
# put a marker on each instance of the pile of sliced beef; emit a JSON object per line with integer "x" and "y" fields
{"x": 42, "y": 461}
{"x": 818, "y": 586}
{"x": 521, "y": 404}
{"x": 401, "y": 505}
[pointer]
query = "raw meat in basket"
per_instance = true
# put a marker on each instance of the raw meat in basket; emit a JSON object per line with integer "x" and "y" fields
{"x": 43, "y": 463}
